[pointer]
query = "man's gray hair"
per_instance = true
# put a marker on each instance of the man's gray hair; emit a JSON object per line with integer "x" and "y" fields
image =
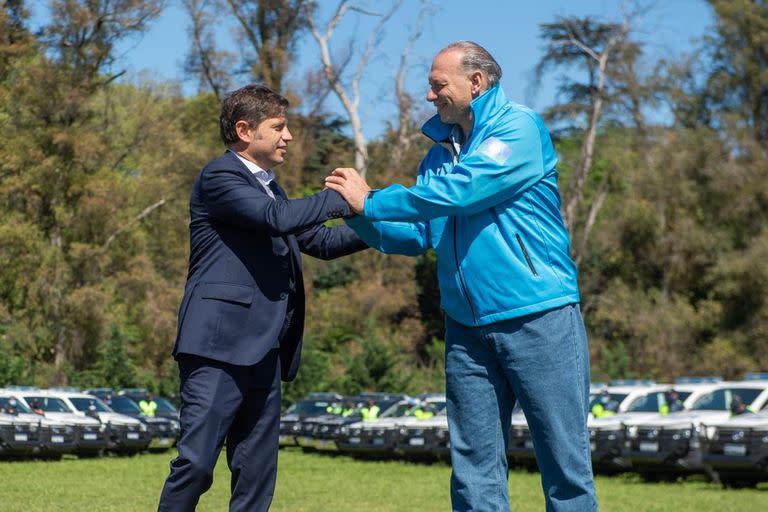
{"x": 477, "y": 58}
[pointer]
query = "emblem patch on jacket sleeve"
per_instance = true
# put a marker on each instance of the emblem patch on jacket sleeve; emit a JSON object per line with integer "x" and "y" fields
{"x": 495, "y": 149}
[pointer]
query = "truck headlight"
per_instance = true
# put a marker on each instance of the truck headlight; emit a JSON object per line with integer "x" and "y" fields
{"x": 632, "y": 432}
{"x": 142, "y": 427}
{"x": 711, "y": 432}
{"x": 103, "y": 427}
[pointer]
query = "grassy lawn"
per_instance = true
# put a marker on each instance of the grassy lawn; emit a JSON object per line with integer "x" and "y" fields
{"x": 326, "y": 483}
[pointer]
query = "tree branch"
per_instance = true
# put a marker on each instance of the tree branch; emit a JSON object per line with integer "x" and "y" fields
{"x": 144, "y": 213}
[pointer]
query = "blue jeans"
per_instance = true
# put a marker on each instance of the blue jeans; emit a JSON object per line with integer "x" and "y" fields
{"x": 542, "y": 361}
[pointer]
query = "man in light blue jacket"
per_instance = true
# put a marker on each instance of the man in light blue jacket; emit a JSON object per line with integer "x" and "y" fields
{"x": 486, "y": 200}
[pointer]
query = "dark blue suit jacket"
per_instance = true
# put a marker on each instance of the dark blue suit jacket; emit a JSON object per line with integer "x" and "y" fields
{"x": 244, "y": 294}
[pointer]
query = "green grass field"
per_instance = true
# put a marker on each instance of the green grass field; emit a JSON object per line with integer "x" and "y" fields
{"x": 315, "y": 482}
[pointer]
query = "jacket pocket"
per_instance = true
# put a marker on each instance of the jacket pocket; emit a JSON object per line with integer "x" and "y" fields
{"x": 228, "y": 292}
{"x": 526, "y": 255}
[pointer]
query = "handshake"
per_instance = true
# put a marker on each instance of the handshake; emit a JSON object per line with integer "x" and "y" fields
{"x": 352, "y": 187}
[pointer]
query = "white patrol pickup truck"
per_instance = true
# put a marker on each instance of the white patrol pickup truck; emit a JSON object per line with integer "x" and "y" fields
{"x": 123, "y": 433}
{"x": 669, "y": 445}
{"x": 737, "y": 449}
{"x": 607, "y": 435}
{"x": 425, "y": 439}
{"x": 373, "y": 438}
{"x": 380, "y": 437}
{"x": 20, "y": 431}
{"x": 89, "y": 434}
{"x": 53, "y": 438}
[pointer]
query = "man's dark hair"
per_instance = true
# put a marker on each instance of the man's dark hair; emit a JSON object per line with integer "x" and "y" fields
{"x": 253, "y": 104}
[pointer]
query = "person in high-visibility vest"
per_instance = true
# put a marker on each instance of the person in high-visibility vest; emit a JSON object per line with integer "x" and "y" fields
{"x": 334, "y": 408}
{"x": 423, "y": 411}
{"x": 738, "y": 406}
{"x": 148, "y": 406}
{"x": 604, "y": 407}
{"x": 349, "y": 410}
{"x": 370, "y": 411}
{"x": 672, "y": 403}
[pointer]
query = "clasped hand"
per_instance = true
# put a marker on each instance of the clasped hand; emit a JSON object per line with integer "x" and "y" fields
{"x": 352, "y": 187}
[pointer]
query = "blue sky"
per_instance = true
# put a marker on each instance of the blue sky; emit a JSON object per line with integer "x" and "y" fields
{"x": 507, "y": 28}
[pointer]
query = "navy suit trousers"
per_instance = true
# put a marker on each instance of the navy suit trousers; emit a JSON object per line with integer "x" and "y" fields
{"x": 236, "y": 404}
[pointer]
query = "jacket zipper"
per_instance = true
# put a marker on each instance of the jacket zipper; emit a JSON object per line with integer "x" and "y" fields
{"x": 458, "y": 270}
{"x": 456, "y": 245}
{"x": 525, "y": 254}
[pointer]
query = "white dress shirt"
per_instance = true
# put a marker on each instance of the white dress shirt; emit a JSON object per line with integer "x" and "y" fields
{"x": 264, "y": 177}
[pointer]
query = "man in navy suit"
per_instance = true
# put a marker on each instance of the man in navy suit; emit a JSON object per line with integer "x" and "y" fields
{"x": 242, "y": 316}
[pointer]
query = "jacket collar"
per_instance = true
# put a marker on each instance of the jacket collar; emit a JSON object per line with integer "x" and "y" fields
{"x": 484, "y": 107}
{"x": 240, "y": 166}
{"x": 265, "y": 175}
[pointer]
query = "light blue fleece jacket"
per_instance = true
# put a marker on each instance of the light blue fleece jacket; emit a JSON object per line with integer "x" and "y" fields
{"x": 491, "y": 213}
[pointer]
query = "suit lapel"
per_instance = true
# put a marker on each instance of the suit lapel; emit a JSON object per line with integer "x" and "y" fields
{"x": 240, "y": 166}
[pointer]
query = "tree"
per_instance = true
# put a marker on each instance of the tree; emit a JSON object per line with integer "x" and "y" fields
{"x": 15, "y": 38}
{"x": 83, "y": 35}
{"x": 268, "y": 33}
{"x": 77, "y": 162}
{"x": 592, "y": 46}
{"x": 210, "y": 66}
{"x": 738, "y": 81}
{"x": 333, "y": 71}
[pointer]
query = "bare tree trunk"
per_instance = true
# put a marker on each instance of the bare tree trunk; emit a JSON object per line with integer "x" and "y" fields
{"x": 404, "y": 109}
{"x": 587, "y": 152}
{"x": 333, "y": 74}
{"x": 594, "y": 209}
{"x": 588, "y": 146}
{"x": 142, "y": 215}
{"x": 205, "y": 64}
{"x": 404, "y": 133}
{"x": 60, "y": 355}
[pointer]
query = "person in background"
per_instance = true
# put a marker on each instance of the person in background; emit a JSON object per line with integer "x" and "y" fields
{"x": 672, "y": 402}
{"x": 604, "y": 406}
{"x": 738, "y": 407}
{"x": 11, "y": 406}
{"x": 423, "y": 411}
{"x": 370, "y": 411}
{"x": 36, "y": 406}
{"x": 334, "y": 408}
{"x": 148, "y": 405}
{"x": 349, "y": 409}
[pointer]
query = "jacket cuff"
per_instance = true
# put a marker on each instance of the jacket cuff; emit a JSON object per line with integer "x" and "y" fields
{"x": 368, "y": 203}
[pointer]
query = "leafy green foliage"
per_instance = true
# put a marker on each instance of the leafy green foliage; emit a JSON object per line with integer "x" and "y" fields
{"x": 95, "y": 178}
